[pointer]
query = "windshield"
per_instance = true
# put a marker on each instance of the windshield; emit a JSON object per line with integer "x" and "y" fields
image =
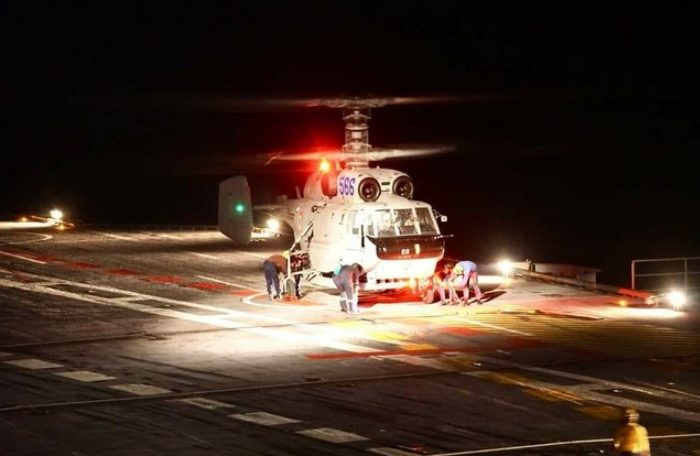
{"x": 402, "y": 222}
{"x": 426, "y": 221}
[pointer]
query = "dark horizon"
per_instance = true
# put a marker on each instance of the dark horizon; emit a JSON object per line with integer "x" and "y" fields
{"x": 587, "y": 158}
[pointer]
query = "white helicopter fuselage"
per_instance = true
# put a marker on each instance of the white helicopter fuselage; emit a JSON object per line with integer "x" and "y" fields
{"x": 395, "y": 239}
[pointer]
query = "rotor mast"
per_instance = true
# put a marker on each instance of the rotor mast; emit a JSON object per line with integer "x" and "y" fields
{"x": 356, "y": 114}
{"x": 357, "y": 136}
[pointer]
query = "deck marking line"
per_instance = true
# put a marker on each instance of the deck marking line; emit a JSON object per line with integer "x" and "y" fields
{"x": 140, "y": 389}
{"x": 85, "y": 376}
{"x": 415, "y": 352}
{"x": 263, "y": 418}
{"x": 219, "y": 321}
{"x": 21, "y": 257}
{"x": 116, "y": 236}
{"x": 388, "y": 451}
{"x": 500, "y": 328}
{"x": 556, "y": 444}
{"x": 587, "y": 391}
{"x": 233, "y": 284}
{"x": 204, "y": 255}
{"x": 203, "y": 402}
{"x": 332, "y": 435}
{"x": 44, "y": 237}
{"x": 33, "y": 363}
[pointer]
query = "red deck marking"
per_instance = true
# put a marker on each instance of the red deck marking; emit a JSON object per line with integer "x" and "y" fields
{"x": 208, "y": 286}
{"x": 243, "y": 292}
{"x": 82, "y": 265}
{"x": 46, "y": 258}
{"x": 124, "y": 272}
{"x": 460, "y": 331}
{"x": 513, "y": 342}
{"x": 164, "y": 279}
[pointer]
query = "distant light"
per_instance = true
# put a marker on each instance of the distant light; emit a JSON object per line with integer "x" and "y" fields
{"x": 505, "y": 266}
{"x": 324, "y": 166}
{"x": 623, "y": 303}
{"x": 677, "y": 299}
{"x": 273, "y": 224}
{"x": 56, "y": 214}
{"x": 23, "y": 219}
{"x": 239, "y": 208}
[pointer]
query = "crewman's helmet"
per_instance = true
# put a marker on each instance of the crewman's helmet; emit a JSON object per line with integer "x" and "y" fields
{"x": 285, "y": 254}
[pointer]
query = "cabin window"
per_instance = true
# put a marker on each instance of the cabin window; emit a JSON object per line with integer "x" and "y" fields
{"x": 426, "y": 222}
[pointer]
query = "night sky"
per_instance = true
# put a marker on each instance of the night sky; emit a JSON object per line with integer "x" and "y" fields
{"x": 584, "y": 154}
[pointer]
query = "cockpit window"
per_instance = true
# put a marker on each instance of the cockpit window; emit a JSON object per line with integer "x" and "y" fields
{"x": 405, "y": 221}
{"x": 401, "y": 222}
{"x": 426, "y": 221}
{"x": 384, "y": 224}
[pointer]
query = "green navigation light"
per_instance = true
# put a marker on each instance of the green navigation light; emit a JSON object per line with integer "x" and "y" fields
{"x": 239, "y": 208}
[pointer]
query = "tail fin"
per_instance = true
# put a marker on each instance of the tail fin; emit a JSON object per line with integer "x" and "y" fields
{"x": 235, "y": 209}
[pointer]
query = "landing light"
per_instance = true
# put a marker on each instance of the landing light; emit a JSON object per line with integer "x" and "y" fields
{"x": 56, "y": 214}
{"x": 677, "y": 299}
{"x": 506, "y": 267}
{"x": 273, "y": 224}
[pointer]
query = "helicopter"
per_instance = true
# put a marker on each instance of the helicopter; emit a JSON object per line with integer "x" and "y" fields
{"x": 348, "y": 211}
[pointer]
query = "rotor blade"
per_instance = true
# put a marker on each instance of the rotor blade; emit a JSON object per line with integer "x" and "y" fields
{"x": 374, "y": 155}
{"x": 387, "y": 154}
{"x": 217, "y": 103}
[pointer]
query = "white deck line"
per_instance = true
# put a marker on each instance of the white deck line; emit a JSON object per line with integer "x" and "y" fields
{"x": 85, "y": 376}
{"x": 20, "y": 257}
{"x": 204, "y": 403}
{"x": 263, "y": 418}
{"x": 141, "y": 389}
{"x": 332, "y": 435}
{"x": 33, "y": 363}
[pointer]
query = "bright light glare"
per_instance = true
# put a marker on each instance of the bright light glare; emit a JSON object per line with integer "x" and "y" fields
{"x": 56, "y": 214}
{"x": 505, "y": 266}
{"x": 677, "y": 299}
{"x": 273, "y": 224}
{"x": 324, "y": 166}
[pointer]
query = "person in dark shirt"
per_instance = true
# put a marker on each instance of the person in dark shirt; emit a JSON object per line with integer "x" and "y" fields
{"x": 273, "y": 267}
